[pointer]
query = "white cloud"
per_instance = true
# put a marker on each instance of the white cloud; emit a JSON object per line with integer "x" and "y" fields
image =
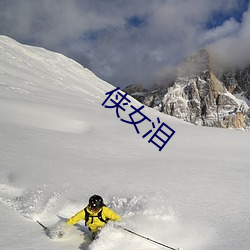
{"x": 233, "y": 50}
{"x": 228, "y": 28}
{"x": 97, "y": 32}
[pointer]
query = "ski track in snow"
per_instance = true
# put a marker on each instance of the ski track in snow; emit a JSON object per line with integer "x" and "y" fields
{"x": 145, "y": 214}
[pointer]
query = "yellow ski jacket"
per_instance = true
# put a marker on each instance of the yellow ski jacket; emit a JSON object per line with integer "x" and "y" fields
{"x": 94, "y": 223}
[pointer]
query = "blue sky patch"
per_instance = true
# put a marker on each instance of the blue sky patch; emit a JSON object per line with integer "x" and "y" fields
{"x": 219, "y": 17}
{"x": 136, "y": 21}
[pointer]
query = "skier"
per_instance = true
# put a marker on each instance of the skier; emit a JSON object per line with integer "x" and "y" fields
{"x": 95, "y": 214}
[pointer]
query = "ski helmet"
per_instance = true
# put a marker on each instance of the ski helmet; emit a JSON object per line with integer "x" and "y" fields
{"x": 95, "y": 202}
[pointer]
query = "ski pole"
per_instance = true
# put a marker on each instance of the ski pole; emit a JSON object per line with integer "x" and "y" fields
{"x": 45, "y": 228}
{"x": 146, "y": 238}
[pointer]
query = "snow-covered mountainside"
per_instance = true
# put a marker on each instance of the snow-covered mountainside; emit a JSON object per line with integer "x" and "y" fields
{"x": 198, "y": 96}
{"x": 59, "y": 146}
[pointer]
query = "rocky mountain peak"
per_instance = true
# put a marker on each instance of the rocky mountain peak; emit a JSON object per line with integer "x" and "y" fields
{"x": 196, "y": 64}
{"x": 200, "y": 96}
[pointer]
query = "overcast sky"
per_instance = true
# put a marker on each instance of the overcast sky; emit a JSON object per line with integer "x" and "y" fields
{"x": 131, "y": 41}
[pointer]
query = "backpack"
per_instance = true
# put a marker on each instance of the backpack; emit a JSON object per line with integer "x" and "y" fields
{"x": 88, "y": 216}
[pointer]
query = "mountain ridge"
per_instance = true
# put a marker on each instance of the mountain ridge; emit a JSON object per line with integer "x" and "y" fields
{"x": 201, "y": 95}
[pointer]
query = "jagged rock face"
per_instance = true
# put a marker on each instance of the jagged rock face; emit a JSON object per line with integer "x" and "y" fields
{"x": 199, "y": 97}
{"x": 237, "y": 81}
{"x": 136, "y": 90}
{"x": 205, "y": 102}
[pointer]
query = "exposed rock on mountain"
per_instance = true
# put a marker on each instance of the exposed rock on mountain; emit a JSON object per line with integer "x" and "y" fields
{"x": 201, "y": 97}
{"x": 136, "y": 90}
{"x": 237, "y": 81}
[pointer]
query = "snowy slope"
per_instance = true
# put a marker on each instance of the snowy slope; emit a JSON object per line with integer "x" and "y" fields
{"x": 59, "y": 145}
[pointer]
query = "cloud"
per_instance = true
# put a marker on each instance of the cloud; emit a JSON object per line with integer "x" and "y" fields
{"x": 121, "y": 41}
{"x": 228, "y": 28}
{"x": 233, "y": 49}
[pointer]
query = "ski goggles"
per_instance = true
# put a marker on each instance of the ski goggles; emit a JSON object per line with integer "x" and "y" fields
{"x": 94, "y": 208}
